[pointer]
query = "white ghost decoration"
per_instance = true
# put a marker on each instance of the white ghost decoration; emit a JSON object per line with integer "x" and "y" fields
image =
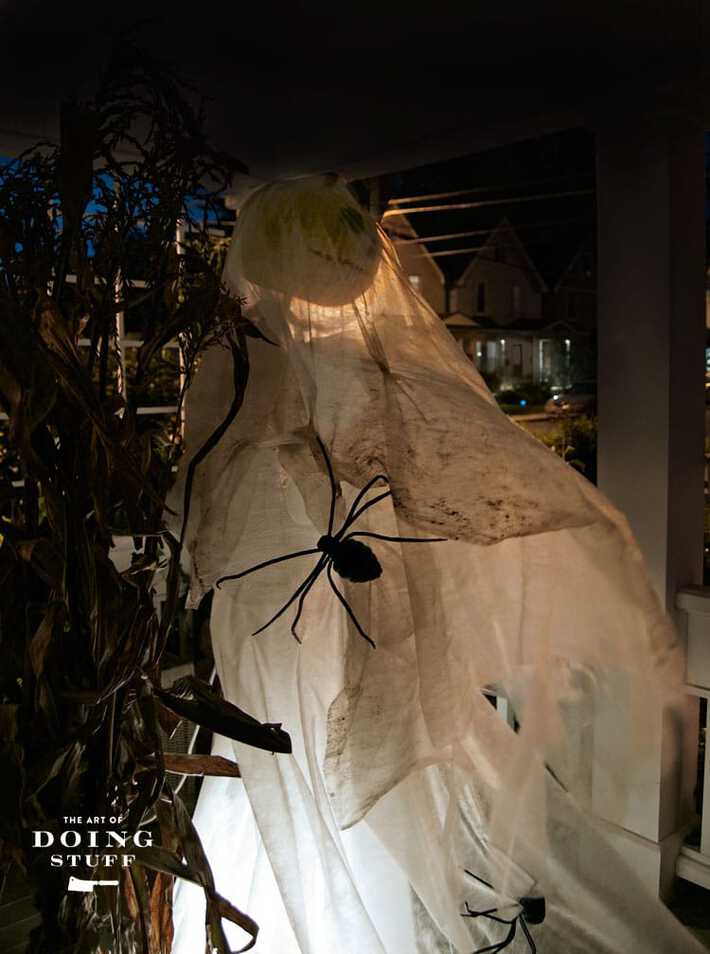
{"x": 403, "y": 776}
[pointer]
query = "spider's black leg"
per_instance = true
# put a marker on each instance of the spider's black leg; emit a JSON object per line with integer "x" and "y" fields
{"x": 490, "y": 914}
{"x": 476, "y": 878}
{"x": 333, "y": 487}
{"x": 528, "y": 935}
{"x": 304, "y": 594}
{"x": 381, "y": 536}
{"x": 260, "y": 566}
{"x": 348, "y": 610}
{"x": 308, "y": 580}
{"x": 500, "y": 945}
{"x": 472, "y": 913}
{"x": 353, "y": 516}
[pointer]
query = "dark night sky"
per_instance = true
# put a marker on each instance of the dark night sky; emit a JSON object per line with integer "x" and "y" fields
{"x": 552, "y": 229}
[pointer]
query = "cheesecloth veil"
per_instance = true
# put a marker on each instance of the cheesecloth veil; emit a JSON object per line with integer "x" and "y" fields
{"x": 406, "y": 785}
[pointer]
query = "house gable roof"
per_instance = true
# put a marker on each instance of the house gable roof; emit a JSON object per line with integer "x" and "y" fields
{"x": 399, "y": 226}
{"x": 504, "y": 234}
{"x": 585, "y": 246}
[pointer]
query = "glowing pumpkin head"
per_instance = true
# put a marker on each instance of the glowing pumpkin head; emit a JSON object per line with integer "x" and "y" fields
{"x": 309, "y": 239}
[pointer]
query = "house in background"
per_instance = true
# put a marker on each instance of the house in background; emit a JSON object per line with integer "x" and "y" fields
{"x": 417, "y": 262}
{"x": 574, "y": 294}
{"x": 496, "y": 313}
{"x": 571, "y": 307}
{"x": 515, "y": 327}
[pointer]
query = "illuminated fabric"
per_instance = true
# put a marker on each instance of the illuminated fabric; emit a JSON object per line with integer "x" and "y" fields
{"x": 403, "y": 774}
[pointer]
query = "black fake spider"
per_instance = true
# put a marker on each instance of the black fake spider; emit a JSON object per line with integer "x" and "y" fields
{"x": 349, "y": 557}
{"x": 532, "y": 911}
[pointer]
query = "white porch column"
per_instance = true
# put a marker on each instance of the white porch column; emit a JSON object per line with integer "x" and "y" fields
{"x": 651, "y": 331}
{"x": 536, "y": 370}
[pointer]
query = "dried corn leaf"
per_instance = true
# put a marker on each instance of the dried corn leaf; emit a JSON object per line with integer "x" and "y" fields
{"x": 215, "y": 765}
{"x": 160, "y": 938}
{"x": 225, "y": 718}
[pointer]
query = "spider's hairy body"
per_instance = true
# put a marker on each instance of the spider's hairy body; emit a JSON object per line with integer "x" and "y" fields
{"x": 351, "y": 559}
{"x": 533, "y": 909}
{"x": 340, "y": 551}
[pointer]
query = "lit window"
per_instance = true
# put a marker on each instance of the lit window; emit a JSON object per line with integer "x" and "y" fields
{"x": 416, "y": 282}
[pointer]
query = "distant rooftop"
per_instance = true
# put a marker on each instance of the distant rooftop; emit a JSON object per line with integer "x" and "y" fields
{"x": 543, "y": 187}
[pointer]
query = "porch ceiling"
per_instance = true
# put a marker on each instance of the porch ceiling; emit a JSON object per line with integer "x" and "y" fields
{"x": 362, "y": 88}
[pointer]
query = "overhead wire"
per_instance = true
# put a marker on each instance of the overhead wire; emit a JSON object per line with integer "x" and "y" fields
{"x": 463, "y": 251}
{"x": 485, "y": 203}
{"x": 492, "y": 188}
{"x": 444, "y": 237}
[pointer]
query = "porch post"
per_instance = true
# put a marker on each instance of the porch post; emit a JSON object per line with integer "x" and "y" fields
{"x": 651, "y": 331}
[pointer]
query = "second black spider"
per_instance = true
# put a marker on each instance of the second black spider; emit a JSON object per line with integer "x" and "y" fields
{"x": 531, "y": 910}
{"x": 340, "y": 550}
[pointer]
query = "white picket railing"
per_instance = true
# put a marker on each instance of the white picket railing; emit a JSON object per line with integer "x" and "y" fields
{"x": 694, "y": 862}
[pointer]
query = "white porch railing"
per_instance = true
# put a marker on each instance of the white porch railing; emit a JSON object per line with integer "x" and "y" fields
{"x": 693, "y": 863}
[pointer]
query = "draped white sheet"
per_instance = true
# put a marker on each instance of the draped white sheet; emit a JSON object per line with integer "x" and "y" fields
{"x": 403, "y": 775}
